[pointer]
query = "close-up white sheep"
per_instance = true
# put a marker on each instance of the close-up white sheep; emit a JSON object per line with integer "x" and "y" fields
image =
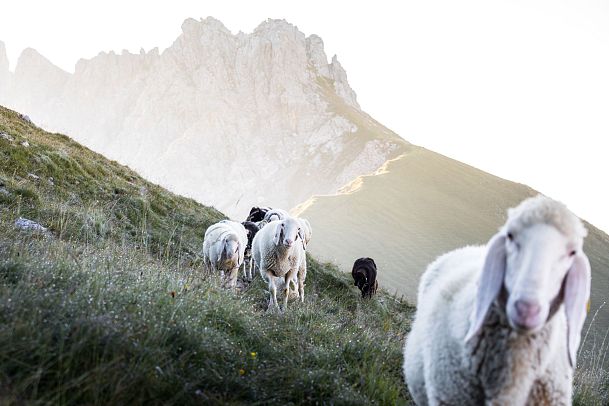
{"x": 500, "y": 324}
{"x": 224, "y": 249}
{"x": 278, "y": 252}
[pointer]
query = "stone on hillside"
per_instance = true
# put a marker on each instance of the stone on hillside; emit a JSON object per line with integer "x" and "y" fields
{"x": 6, "y": 136}
{"x": 26, "y": 224}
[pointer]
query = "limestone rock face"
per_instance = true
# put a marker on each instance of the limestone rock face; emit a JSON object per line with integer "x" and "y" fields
{"x": 5, "y": 74}
{"x": 36, "y": 83}
{"x": 232, "y": 120}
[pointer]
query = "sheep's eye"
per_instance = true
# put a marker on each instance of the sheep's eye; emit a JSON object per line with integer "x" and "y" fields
{"x": 510, "y": 236}
{"x": 572, "y": 253}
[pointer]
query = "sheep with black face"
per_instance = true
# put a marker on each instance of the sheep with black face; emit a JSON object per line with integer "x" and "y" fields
{"x": 257, "y": 214}
{"x": 364, "y": 276}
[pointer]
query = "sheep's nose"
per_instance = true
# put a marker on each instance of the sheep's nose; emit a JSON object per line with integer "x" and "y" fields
{"x": 288, "y": 242}
{"x": 527, "y": 308}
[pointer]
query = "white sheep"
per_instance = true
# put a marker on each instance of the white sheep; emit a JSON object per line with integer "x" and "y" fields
{"x": 501, "y": 324}
{"x": 298, "y": 279}
{"x": 277, "y": 251}
{"x": 275, "y": 214}
{"x": 224, "y": 248}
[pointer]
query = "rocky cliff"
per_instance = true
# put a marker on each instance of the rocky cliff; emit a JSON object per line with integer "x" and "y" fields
{"x": 5, "y": 75}
{"x": 229, "y": 119}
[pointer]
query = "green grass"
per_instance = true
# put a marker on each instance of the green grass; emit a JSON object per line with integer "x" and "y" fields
{"x": 111, "y": 305}
{"x": 591, "y": 383}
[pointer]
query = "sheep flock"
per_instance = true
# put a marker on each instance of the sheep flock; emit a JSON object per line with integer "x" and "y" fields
{"x": 498, "y": 324}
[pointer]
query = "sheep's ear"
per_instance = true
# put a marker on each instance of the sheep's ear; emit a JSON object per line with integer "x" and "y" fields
{"x": 278, "y": 231}
{"x": 490, "y": 282}
{"x": 302, "y": 239}
{"x": 577, "y": 294}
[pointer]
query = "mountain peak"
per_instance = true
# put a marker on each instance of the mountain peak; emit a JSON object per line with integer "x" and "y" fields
{"x": 194, "y": 29}
{"x": 341, "y": 84}
{"x": 275, "y": 25}
{"x": 31, "y": 62}
{"x": 31, "y": 53}
{"x": 3, "y": 59}
{"x": 31, "y": 57}
{"x": 317, "y": 55}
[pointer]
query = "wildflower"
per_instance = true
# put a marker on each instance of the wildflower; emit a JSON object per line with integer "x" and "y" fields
{"x": 253, "y": 354}
{"x": 242, "y": 372}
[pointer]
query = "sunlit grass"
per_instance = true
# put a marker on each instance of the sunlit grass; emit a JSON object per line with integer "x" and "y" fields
{"x": 591, "y": 386}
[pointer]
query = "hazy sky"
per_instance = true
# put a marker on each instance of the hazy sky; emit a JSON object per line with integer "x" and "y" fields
{"x": 517, "y": 88}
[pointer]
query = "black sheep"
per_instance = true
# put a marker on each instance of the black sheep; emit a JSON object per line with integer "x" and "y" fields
{"x": 257, "y": 214}
{"x": 364, "y": 275}
{"x": 251, "y": 229}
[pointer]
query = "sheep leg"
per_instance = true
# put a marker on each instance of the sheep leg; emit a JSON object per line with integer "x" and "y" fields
{"x": 272, "y": 289}
{"x": 251, "y": 276}
{"x": 295, "y": 287}
{"x": 286, "y": 294}
{"x": 214, "y": 270}
{"x": 209, "y": 266}
{"x": 286, "y": 291}
{"x": 232, "y": 277}
{"x": 302, "y": 275}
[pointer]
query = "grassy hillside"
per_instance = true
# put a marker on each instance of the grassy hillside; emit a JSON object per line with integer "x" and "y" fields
{"x": 110, "y": 304}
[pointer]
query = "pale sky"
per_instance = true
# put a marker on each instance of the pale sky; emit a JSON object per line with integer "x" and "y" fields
{"x": 519, "y": 89}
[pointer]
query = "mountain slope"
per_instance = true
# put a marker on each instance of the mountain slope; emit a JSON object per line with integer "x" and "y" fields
{"x": 419, "y": 206}
{"x": 110, "y": 304}
{"x": 231, "y": 120}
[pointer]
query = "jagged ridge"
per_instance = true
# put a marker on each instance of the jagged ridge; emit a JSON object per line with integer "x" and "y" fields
{"x": 263, "y": 115}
